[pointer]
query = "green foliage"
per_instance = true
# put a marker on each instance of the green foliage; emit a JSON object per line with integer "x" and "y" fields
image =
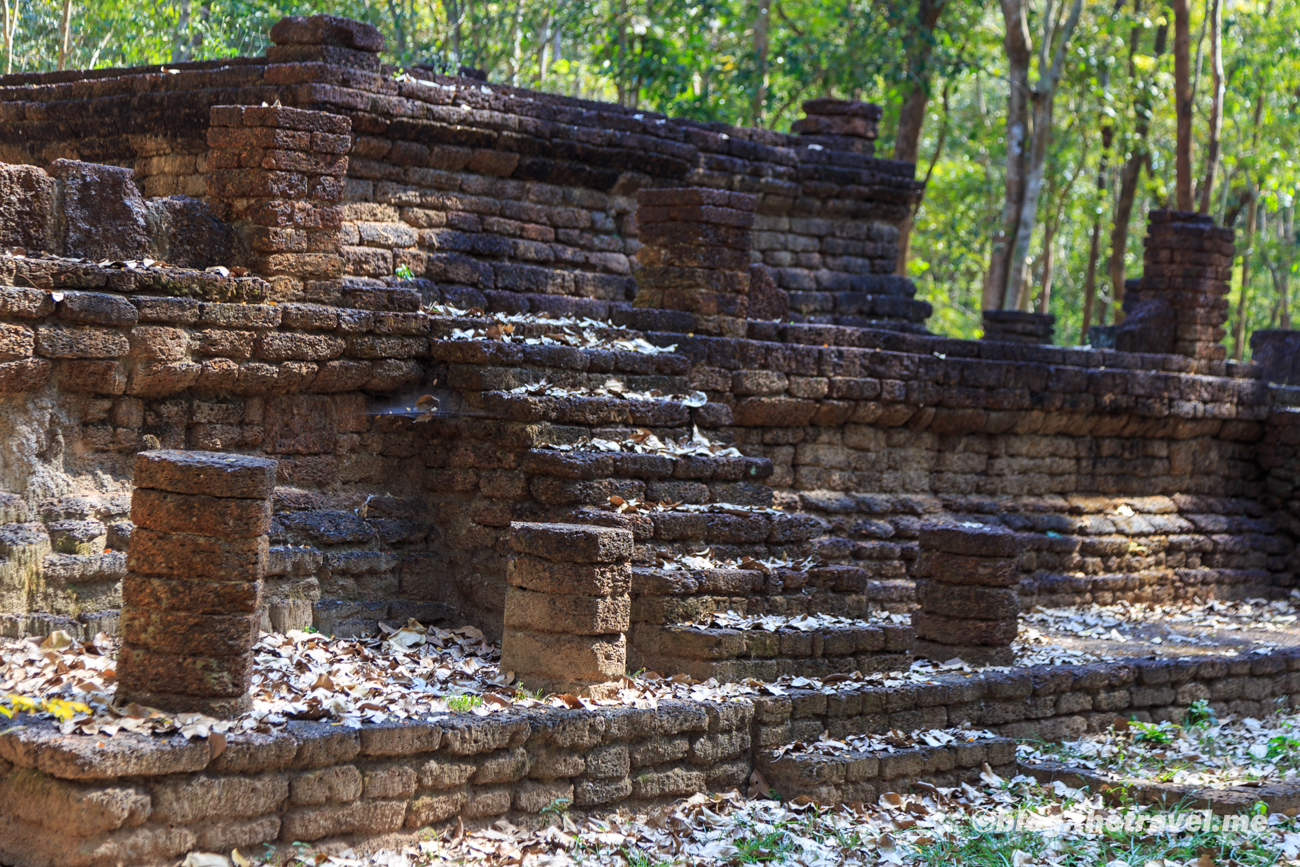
{"x": 558, "y": 807}
{"x": 1199, "y": 714}
{"x": 771, "y": 847}
{"x": 975, "y": 847}
{"x": 463, "y": 703}
{"x": 1153, "y": 733}
{"x": 637, "y": 858}
{"x": 1283, "y": 747}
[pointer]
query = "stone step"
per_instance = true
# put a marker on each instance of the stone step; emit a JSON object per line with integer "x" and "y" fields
{"x": 733, "y": 654}
{"x": 865, "y": 774}
{"x": 550, "y": 356}
{"x": 492, "y": 377}
{"x": 591, "y": 410}
{"x": 630, "y": 465}
{"x": 652, "y": 553}
{"x": 682, "y": 596}
{"x": 653, "y": 581}
{"x": 653, "y": 478}
{"x": 730, "y": 530}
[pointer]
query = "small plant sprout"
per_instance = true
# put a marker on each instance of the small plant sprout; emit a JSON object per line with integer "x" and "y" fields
{"x": 1200, "y": 714}
{"x": 558, "y": 807}
{"x": 1153, "y": 733}
{"x": 463, "y": 703}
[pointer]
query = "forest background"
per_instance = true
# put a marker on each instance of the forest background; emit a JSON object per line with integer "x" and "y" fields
{"x": 958, "y": 79}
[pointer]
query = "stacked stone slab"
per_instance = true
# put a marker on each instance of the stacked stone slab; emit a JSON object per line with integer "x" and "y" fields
{"x": 1018, "y": 326}
{"x": 967, "y": 579}
{"x": 568, "y": 607}
{"x": 696, "y": 255}
{"x": 278, "y": 175}
{"x": 192, "y": 594}
{"x": 325, "y": 39}
{"x": 1188, "y": 263}
{"x": 839, "y": 125}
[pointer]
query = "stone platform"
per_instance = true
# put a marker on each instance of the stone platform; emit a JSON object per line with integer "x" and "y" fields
{"x": 147, "y": 801}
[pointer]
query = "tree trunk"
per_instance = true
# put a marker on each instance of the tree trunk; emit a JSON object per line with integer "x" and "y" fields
{"x": 1090, "y": 279}
{"x": 1050, "y": 229}
{"x": 905, "y": 228}
{"x": 1284, "y": 294}
{"x": 1215, "y": 13}
{"x": 1239, "y": 326}
{"x": 1016, "y": 43}
{"x": 10, "y": 26}
{"x": 760, "y": 55}
{"x": 1129, "y": 175}
{"x": 1017, "y": 295}
{"x": 543, "y": 48}
{"x": 911, "y": 114}
{"x": 620, "y": 70}
{"x": 182, "y": 47}
{"x": 1183, "y": 104}
{"x": 1094, "y": 242}
{"x": 456, "y": 18}
{"x": 1045, "y": 282}
{"x": 65, "y": 44}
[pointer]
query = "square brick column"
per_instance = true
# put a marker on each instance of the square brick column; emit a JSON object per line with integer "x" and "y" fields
{"x": 1187, "y": 262}
{"x": 192, "y": 593}
{"x": 696, "y": 255}
{"x": 967, "y": 584}
{"x": 568, "y": 607}
{"x": 277, "y": 174}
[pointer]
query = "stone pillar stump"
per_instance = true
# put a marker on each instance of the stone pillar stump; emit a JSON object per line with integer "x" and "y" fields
{"x": 839, "y": 125}
{"x": 967, "y": 585}
{"x": 192, "y": 594}
{"x": 1017, "y": 326}
{"x": 568, "y": 607}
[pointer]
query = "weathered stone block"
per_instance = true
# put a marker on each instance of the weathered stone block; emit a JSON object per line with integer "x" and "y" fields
{"x": 225, "y": 517}
{"x": 571, "y": 543}
{"x": 568, "y": 614}
{"x": 103, "y": 214}
{"x": 210, "y": 474}
{"x": 26, "y": 208}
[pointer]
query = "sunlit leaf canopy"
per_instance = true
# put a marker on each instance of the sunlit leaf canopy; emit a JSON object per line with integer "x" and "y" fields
{"x": 753, "y": 61}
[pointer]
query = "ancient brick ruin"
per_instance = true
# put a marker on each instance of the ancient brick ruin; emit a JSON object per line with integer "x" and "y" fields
{"x": 281, "y": 257}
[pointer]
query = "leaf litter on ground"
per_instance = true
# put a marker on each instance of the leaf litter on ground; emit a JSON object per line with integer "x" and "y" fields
{"x": 930, "y": 827}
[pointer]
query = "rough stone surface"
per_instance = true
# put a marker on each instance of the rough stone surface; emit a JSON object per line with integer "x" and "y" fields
{"x": 210, "y": 474}
{"x": 26, "y": 208}
{"x": 103, "y": 214}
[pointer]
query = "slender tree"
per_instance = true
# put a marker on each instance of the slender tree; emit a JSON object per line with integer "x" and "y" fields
{"x": 1052, "y": 225}
{"x": 182, "y": 45}
{"x": 911, "y": 114}
{"x": 1133, "y": 165}
{"x": 1028, "y": 135}
{"x": 1214, "y": 16}
{"x": 10, "y": 27}
{"x": 759, "y": 101}
{"x": 1103, "y": 165}
{"x": 1239, "y": 324}
{"x": 65, "y": 29}
{"x": 1183, "y": 105}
